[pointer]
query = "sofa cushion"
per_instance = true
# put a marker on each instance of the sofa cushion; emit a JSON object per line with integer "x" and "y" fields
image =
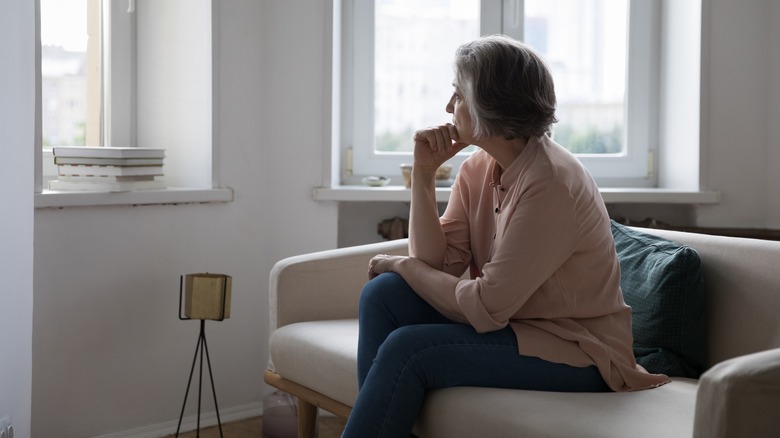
{"x": 320, "y": 355}
{"x": 662, "y": 282}
{"x": 666, "y": 411}
{"x": 299, "y": 354}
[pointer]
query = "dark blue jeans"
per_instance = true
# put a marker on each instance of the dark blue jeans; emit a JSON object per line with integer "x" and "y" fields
{"x": 406, "y": 347}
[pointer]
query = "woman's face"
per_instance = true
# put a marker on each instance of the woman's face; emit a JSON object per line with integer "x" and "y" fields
{"x": 460, "y": 116}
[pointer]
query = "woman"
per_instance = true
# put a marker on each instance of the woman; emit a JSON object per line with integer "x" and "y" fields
{"x": 543, "y": 309}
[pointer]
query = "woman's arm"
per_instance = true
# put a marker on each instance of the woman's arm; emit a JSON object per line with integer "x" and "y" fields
{"x": 432, "y": 147}
{"x": 427, "y": 242}
{"x": 426, "y": 237}
{"x": 437, "y": 288}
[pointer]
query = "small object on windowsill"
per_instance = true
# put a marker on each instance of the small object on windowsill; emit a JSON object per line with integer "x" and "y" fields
{"x": 443, "y": 174}
{"x": 376, "y": 181}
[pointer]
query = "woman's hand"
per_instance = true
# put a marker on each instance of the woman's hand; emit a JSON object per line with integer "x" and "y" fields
{"x": 435, "y": 145}
{"x": 382, "y": 263}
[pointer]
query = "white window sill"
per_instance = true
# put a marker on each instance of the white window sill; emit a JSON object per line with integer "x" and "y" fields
{"x": 610, "y": 195}
{"x": 171, "y": 195}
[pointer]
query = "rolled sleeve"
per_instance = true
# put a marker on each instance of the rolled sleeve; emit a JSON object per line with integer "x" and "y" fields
{"x": 467, "y": 294}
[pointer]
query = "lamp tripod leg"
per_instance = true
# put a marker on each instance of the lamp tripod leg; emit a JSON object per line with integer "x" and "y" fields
{"x": 202, "y": 339}
{"x": 211, "y": 378}
{"x": 189, "y": 383}
{"x": 201, "y": 347}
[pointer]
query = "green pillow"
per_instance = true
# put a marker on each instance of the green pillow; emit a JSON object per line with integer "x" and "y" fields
{"x": 662, "y": 282}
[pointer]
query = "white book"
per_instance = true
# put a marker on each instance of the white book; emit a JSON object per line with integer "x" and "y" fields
{"x": 107, "y": 152}
{"x": 110, "y": 179}
{"x": 94, "y": 170}
{"x": 98, "y": 186}
{"x": 110, "y": 161}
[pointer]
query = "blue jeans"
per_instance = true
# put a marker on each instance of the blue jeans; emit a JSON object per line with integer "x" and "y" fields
{"x": 406, "y": 347}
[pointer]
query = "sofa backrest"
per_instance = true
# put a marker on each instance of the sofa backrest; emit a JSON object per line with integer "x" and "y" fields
{"x": 742, "y": 292}
{"x": 741, "y": 284}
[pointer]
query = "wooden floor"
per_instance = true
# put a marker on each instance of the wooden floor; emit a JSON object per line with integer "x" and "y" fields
{"x": 329, "y": 427}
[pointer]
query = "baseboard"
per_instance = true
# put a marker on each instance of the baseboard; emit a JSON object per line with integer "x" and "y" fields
{"x": 207, "y": 419}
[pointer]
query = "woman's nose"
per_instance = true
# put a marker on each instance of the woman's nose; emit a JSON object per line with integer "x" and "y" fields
{"x": 450, "y": 108}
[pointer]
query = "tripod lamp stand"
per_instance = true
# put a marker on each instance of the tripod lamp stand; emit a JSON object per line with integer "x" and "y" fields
{"x": 203, "y": 296}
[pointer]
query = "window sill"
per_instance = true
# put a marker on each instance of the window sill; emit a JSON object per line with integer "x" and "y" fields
{"x": 610, "y": 195}
{"x": 172, "y": 195}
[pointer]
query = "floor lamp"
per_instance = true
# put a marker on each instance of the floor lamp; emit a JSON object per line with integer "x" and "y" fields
{"x": 203, "y": 296}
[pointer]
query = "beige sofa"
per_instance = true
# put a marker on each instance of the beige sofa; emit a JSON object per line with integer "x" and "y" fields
{"x": 313, "y": 306}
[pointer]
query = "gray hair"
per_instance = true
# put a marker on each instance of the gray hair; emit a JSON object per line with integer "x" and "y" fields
{"x": 507, "y": 86}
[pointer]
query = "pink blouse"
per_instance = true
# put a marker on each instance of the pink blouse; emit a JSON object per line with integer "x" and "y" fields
{"x": 538, "y": 242}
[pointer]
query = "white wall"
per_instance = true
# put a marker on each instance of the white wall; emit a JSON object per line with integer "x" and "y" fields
{"x": 17, "y": 86}
{"x": 174, "y": 86}
{"x": 741, "y": 118}
{"x": 679, "y": 99}
{"x": 773, "y": 114}
{"x": 109, "y": 353}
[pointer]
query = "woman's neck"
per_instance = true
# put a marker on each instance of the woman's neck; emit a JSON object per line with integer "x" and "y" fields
{"x": 504, "y": 151}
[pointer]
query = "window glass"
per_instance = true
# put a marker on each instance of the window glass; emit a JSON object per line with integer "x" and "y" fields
{"x": 70, "y": 72}
{"x": 584, "y": 42}
{"x": 414, "y": 44}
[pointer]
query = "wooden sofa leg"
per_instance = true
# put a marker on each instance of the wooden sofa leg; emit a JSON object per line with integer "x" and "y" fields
{"x": 307, "y": 410}
{"x": 307, "y": 419}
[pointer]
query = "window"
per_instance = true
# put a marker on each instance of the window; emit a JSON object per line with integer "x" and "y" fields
{"x": 155, "y": 85}
{"x": 86, "y": 75}
{"x": 397, "y": 71}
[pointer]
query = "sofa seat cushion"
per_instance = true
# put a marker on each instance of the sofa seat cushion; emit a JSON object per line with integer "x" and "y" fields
{"x": 320, "y": 355}
{"x": 299, "y": 353}
{"x": 666, "y": 411}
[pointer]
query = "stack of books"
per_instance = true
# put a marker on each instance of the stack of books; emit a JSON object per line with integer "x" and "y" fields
{"x": 107, "y": 169}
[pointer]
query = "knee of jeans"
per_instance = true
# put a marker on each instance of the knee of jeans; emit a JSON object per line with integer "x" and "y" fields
{"x": 402, "y": 342}
{"x": 377, "y": 289}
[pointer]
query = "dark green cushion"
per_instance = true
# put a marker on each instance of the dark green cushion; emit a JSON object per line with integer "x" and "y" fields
{"x": 662, "y": 282}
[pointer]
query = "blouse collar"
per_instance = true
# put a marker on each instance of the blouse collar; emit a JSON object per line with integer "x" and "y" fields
{"x": 508, "y": 176}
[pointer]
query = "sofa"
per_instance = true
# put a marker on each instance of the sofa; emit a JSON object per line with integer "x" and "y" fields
{"x": 715, "y": 331}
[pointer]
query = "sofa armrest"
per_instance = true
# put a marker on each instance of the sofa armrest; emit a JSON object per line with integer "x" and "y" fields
{"x": 323, "y": 285}
{"x": 740, "y": 397}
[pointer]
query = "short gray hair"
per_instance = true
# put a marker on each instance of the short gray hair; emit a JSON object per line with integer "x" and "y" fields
{"x": 507, "y": 87}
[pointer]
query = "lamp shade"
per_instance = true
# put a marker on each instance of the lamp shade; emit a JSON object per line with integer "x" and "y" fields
{"x": 207, "y": 296}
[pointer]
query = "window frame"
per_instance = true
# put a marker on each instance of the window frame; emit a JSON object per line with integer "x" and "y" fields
{"x": 118, "y": 30}
{"x": 634, "y": 168}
